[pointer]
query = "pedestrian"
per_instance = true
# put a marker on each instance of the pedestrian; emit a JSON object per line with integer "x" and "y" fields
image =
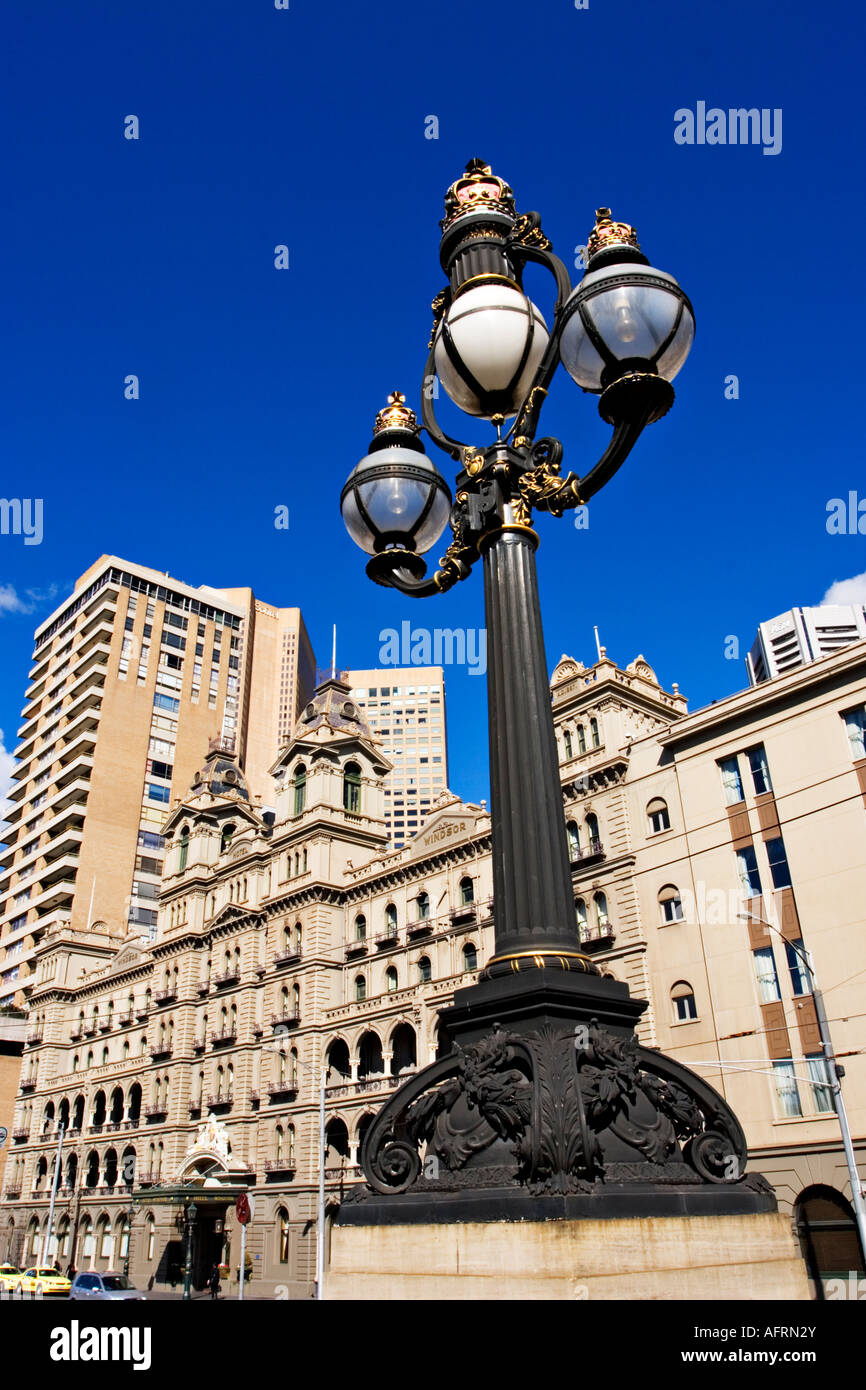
{"x": 214, "y": 1282}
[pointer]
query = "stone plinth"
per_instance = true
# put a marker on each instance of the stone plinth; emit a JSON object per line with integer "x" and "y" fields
{"x": 654, "y": 1258}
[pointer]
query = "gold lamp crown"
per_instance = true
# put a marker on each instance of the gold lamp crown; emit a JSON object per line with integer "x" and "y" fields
{"x": 396, "y": 415}
{"x": 477, "y": 190}
{"x": 607, "y": 233}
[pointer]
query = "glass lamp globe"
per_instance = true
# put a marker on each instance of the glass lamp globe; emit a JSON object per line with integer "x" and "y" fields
{"x": 487, "y": 349}
{"x": 395, "y": 497}
{"x": 620, "y": 317}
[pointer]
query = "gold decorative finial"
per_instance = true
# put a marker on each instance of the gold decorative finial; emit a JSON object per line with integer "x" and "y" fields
{"x": 477, "y": 190}
{"x": 396, "y": 415}
{"x": 607, "y": 233}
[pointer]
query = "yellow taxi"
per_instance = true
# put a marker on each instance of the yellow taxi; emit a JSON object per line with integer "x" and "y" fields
{"x": 9, "y": 1275}
{"x": 42, "y": 1281}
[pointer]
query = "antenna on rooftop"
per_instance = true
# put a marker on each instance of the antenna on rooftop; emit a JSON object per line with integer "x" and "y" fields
{"x": 597, "y": 643}
{"x": 334, "y": 654}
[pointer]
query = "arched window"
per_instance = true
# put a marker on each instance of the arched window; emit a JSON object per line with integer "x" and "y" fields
{"x": 87, "y": 1243}
{"x": 299, "y": 783}
{"x": 470, "y": 957}
{"x": 360, "y": 989}
{"x": 391, "y": 979}
{"x": 150, "y": 1240}
{"x": 593, "y": 733}
{"x": 670, "y": 904}
{"x": 105, "y": 1056}
{"x": 184, "y": 848}
{"x": 467, "y": 891}
{"x": 290, "y": 1145}
{"x": 657, "y": 815}
{"x": 123, "y": 1237}
{"x": 299, "y": 936}
{"x": 600, "y": 901}
{"x": 360, "y": 927}
{"x": 352, "y": 788}
{"x": 827, "y": 1229}
{"x": 581, "y": 739}
{"x": 566, "y": 739}
{"x": 592, "y": 831}
{"x": 424, "y": 970}
{"x": 226, "y": 838}
{"x": 391, "y": 920}
{"x": 580, "y": 914}
{"x": 76, "y": 1061}
{"x": 283, "y": 1234}
{"x": 423, "y": 904}
{"x": 683, "y": 1000}
{"x": 293, "y": 1070}
{"x": 573, "y": 834}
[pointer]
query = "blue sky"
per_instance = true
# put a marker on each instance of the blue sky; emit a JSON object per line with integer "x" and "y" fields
{"x": 258, "y": 387}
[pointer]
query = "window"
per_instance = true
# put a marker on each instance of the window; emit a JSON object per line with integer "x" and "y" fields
{"x": 184, "y": 847}
{"x": 671, "y": 904}
{"x": 747, "y": 867}
{"x": 797, "y": 967}
{"x": 760, "y": 769}
{"x": 360, "y": 989}
{"x": 470, "y": 957}
{"x": 573, "y": 835}
{"x": 283, "y": 1219}
{"x": 600, "y": 902}
{"x": 226, "y": 838}
{"x": 787, "y": 1090}
{"x": 391, "y": 979}
{"x": 424, "y": 970}
{"x": 300, "y": 785}
{"x": 391, "y": 920}
{"x": 581, "y": 739}
{"x": 592, "y": 830}
{"x": 779, "y": 871}
{"x": 467, "y": 891}
{"x": 683, "y": 999}
{"x": 360, "y": 927}
{"x": 855, "y": 726}
{"x": 657, "y": 815}
{"x": 765, "y": 971}
{"x": 566, "y": 739}
{"x": 580, "y": 913}
{"x": 822, "y": 1095}
{"x": 352, "y": 788}
{"x": 732, "y": 784}
{"x": 155, "y": 793}
{"x": 594, "y": 735}
{"x": 166, "y": 702}
{"x": 423, "y": 904}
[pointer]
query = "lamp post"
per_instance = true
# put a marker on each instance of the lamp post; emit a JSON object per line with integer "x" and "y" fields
{"x": 545, "y": 1088}
{"x": 833, "y": 1070}
{"x": 189, "y": 1213}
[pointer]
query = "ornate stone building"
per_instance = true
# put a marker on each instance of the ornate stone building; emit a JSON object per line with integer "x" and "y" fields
{"x": 291, "y": 943}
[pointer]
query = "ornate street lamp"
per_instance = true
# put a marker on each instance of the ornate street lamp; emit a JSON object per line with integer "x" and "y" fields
{"x": 545, "y": 1088}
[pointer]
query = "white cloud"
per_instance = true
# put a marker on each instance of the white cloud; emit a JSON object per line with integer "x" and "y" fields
{"x": 847, "y": 590}
{"x": 13, "y": 602}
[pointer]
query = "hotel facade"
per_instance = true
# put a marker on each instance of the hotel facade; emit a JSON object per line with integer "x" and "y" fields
{"x": 297, "y": 947}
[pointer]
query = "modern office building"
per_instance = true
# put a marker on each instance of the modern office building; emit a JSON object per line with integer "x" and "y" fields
{"x": 293, "y": 945}
{"x": 802, "y": 635}
{"x": 132, "y": 676}
{"x": 405, "y": 708}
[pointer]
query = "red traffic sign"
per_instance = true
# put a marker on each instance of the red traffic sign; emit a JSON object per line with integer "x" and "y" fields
{"x": 242, "y": 1208}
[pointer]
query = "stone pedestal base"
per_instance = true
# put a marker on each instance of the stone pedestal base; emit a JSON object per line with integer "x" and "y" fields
{"x": 655, "y": 1258}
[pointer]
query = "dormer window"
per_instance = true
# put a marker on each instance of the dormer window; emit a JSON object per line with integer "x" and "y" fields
{"x": 299, "y": 783}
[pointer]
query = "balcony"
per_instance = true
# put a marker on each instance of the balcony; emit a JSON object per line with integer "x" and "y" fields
{"x": 286, "y": 958}
{"x": 106, "y": 1025}
{"x": 254, "y": 1097}
{"x": 12, "y": 1194}
{"x": 203, "y": 986}
{"x": 279, "y": 1165}
{"x": 220, "y": 1102}
{"x": 27, "y": 1083}
{"x": 198, "y": 1044}
{"x": 141, "y": 1012}
{"x": 225, "y": 1035}
{"x": 258, "y": 1030}
{"x": 587, "y": 853}
{"x": 160, "y": 1050}
{"x": 599, "y": 938}
{"x": 90, "y": 1029}
{"x": 386, "y": 941}
{"x": 155, "y": 1111}
{"x": 422, "y": 927}
{"x": 34, "y": 1038}
{"x": 286, "y": 1020}
{"x": 282, "y": 1088}
{"x": 228, "y": 977}
{"x": 166, "y": 996}
{"x": 355, "y": 949}
{"x": 20, "y": 1135}
{"x": 195, "y": 1107}
{"x": 125, "y": 1019}
{"x": 463, "y": 915}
